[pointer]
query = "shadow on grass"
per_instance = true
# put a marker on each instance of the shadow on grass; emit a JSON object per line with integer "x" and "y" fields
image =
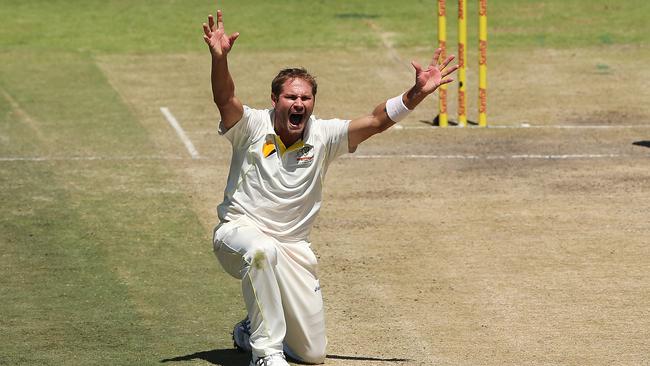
{"x": 365, "y": 358}
{"x": 232, "y": 357}
{"x": 224, "y": 357}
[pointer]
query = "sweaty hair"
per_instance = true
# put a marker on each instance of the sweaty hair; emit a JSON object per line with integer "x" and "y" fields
{"x": 290, "y": 74}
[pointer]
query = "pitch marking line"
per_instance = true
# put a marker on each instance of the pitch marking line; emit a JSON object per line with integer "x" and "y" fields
{"x": 179, "y": 131}
{"x": 23, "y": 115}
{"x": 347, "y": 157}
{"x": 494, "y": 157}
{"x": 88, "y": 158}
{"x": 567, "y": 127}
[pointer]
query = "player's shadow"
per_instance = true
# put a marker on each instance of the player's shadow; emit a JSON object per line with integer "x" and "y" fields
{"x": 224, "y": 357}
{"x": 232, "y": 357}
{"x": 643, "y": 143}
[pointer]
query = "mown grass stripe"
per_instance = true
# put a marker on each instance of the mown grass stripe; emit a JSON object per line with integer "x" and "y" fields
{"x": 103, "y": 261}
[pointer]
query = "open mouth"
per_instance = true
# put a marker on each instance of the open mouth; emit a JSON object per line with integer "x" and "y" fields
{"x": 295, "y": 119}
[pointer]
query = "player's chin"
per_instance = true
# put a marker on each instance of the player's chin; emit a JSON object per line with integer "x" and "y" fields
{"x": 296, "y": 129}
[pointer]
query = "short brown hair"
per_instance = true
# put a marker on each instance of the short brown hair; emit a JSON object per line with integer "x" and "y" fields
{"x": 290, "y": 74}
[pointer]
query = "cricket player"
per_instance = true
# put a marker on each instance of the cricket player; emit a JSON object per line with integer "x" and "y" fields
{"x": 279, "y": 159}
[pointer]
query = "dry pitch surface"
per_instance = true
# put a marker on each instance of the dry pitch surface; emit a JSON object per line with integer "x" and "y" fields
{"x": 459, "y": 246}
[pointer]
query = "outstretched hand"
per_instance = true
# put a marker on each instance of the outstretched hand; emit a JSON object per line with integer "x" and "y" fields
{"x": 436, "y": 74}
{"x": 216, "y": 38}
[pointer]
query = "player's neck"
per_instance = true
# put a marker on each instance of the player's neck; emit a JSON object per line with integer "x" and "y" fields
{"x": 288, "y": 140}
{"x": 287, "y": 137}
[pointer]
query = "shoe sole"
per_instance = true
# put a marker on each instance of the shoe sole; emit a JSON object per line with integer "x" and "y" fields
{"x": 237, "y": 347}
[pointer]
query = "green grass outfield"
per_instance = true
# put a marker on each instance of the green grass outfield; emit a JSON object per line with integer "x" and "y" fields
{"x": 104, "y": 260}
{"x": 171, "y": 26}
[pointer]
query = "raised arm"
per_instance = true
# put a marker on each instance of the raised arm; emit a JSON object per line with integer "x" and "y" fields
{"x": 426, "y": 82}
{"x": 223, "y": 87}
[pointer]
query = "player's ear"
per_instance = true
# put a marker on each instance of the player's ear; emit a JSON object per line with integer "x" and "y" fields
{"x": 274, "y": 99}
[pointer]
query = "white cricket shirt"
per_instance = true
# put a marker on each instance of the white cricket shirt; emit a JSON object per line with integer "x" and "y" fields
{"x": 279, "y": 188}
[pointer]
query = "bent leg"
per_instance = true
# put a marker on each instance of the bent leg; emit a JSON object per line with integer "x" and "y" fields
{"x": 303, "y": 303}
{"x": 248, "y": 254}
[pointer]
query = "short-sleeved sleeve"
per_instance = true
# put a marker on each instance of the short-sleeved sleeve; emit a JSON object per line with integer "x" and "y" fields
{"x": 335, "y": 132}
{"x": 251, "y": 124}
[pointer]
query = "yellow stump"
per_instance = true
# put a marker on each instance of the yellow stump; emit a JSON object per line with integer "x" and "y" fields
{"x": 462, "y": 56}
{"x": 442, "y": 43}
{"x": 482, "y": 65}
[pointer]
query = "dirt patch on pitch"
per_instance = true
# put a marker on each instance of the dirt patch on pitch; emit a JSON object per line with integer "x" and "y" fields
{"x": 458, "y": 246}
{"x": 531, "y": 264}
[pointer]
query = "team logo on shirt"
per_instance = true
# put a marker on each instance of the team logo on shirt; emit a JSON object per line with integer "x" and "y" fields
{"x": 305, "y": 155}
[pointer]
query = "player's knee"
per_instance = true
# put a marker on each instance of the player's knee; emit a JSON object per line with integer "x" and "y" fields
{"x": 313, "y": 354}
{"x": 263, "y": 253}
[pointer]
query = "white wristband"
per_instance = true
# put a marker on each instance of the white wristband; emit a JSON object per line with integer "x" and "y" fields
{"x": 396, "y": 109}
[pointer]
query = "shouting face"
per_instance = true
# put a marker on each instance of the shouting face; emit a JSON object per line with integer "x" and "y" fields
{"x": 293, "y": 107}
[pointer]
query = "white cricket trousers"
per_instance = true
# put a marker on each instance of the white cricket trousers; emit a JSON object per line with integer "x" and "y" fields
{"x": 280, "y": 288}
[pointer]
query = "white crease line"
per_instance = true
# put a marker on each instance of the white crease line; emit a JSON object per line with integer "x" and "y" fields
{"x": 87, "y": 158}
{"x": 569, "y": 127}
{"x": 576, "y": 127}
{"x": 495, "y": 157}
{"x": 347, "y": 157}
{"x": 179, "y": 130}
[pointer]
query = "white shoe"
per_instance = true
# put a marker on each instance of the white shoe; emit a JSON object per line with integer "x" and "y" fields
{"x": 276, "y": 359}
{"x": 241, "y": 338}
{"x": 241, "y": 335}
